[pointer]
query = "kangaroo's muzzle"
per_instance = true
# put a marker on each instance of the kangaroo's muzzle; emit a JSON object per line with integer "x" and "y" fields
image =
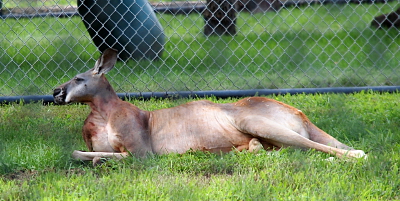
{"x": 59, "y": 95}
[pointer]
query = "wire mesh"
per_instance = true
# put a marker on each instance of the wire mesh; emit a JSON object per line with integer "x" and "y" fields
{"x": 274, "y": 44}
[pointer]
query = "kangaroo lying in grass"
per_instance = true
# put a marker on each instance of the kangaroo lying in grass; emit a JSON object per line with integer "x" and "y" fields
{"x": 116, "y": 129}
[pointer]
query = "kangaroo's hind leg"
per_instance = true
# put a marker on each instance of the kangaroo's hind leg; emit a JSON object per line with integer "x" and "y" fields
{"x": 280, "y": 136}
{"x": 255, "y": 145}
{"x": 320, "y": 136}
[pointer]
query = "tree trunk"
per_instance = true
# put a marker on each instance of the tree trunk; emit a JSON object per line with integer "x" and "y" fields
{"x": 220, "y": 17}
{"x": 387, "y": 20}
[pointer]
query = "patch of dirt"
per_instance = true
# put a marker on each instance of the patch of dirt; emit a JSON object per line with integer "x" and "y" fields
{"x": 21, "y": 175}
{"x": 26, "y": 175}
{"x": 36, "y": 10}
{"x": 72, "y": 9}
{"x": 178, "y": 4}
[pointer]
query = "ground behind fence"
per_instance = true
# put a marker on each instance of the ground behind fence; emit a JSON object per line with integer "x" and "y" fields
{"x": 310, "y": 46}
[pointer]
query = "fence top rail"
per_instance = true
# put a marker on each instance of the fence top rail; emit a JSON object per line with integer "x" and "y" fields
{"x": 46, "y": 99}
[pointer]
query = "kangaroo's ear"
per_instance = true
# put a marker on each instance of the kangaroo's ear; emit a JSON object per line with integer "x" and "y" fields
{"x": 106, "y": 61}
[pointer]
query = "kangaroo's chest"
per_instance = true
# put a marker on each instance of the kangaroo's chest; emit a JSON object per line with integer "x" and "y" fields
{"x": 101, "y": 135}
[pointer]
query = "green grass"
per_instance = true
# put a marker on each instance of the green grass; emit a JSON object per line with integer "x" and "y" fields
{"x": 315, "y": 46}
{"x": 36, "y": 143}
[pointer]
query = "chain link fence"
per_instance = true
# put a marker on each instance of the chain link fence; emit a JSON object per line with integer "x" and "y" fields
{"x": 168, "y": 46}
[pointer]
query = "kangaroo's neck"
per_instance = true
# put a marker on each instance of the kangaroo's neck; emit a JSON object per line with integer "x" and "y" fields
{"x": 104, "y": 101}
{"x": 103, "y": 107}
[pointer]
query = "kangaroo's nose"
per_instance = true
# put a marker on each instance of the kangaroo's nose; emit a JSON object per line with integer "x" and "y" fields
{"x": 59, "y": 95}
{"x": 56, "y": 92}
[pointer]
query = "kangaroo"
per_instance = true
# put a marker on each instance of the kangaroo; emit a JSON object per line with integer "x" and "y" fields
{"x": 116, "y": 128}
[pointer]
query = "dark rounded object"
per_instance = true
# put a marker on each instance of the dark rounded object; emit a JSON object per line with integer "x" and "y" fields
{"x": 130, "y": 26}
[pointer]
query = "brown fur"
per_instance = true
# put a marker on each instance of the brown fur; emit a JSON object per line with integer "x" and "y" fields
{"x": 115, "y": 128}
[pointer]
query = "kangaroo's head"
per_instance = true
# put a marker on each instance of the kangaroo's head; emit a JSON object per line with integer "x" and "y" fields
{"x": 86, "y": 86}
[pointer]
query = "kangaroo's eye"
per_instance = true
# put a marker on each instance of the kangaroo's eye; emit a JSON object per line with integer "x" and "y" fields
{"x": 77, "y": 79}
